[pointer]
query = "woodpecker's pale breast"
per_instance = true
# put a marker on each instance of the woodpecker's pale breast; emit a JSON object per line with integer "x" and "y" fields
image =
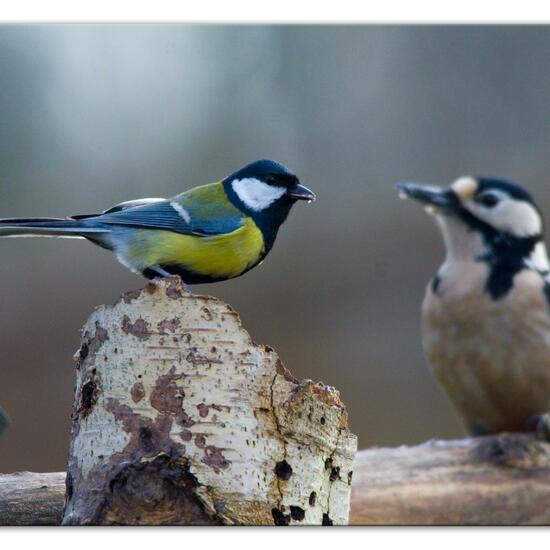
{"x": 491, "y": 356}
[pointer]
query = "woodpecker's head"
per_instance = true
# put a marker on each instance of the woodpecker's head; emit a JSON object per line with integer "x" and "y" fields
{"x": 483, "y": 218}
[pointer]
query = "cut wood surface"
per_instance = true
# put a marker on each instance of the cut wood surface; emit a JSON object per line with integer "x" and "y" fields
{"x": 180, "y": 418}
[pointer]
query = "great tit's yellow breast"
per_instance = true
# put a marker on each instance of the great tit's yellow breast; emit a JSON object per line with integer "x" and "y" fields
{"x": 491, "y": 356}
{"x": 218, "y": 256}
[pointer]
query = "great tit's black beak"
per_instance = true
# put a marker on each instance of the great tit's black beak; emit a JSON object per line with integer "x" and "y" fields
{"x": 300, "y": 192}
{"x": 429, "y": 195}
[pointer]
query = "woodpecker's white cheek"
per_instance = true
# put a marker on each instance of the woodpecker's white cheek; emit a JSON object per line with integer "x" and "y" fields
{"x": 516, "y": 217}
{"x": 256, "y": 194}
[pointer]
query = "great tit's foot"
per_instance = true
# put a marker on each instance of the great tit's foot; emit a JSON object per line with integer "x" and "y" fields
{"x": 156, "y": 275}
{"x": 157, "y": 272}
{"x": 177, "y": 278}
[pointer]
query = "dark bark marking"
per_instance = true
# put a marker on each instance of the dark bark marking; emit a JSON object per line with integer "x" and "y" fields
{"x": 196, "y": 359}
{"x": 207, "y": 314}
{"x": 158, "y": 492}
{"x": 91, "y": 345}
{"x": 167, "y": 397}
{"x": 139, "y": 329}
{"x": 203, "y": 410}
{"x": 214, "y": 458}
{"x": 297, "y": 513}
{"x": 283, "y": 470}
{"x": 170, "y": 325}
{"x": 137, "y": 392}
{"x": 186, "y": 435}
{"x": 279, "y": 518}
{"x": 130, "y": 296}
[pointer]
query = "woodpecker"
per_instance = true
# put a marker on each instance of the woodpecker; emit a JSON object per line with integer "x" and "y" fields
{"x": 486, "y": 313}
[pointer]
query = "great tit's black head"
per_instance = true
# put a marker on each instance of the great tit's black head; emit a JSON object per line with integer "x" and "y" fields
{"x": 491, "y": 206}
{"x": 266, "y": 184}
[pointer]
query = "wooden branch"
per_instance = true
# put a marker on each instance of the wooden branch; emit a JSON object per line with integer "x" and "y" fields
{"x": 179, "y": 418}
{"x": 27, "y": 498}
{"x": 483, "y": 481}
{"x": 494, "y": 480}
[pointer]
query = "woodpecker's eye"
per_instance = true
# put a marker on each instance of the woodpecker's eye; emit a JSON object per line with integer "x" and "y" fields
{"x": 488, "y": 199}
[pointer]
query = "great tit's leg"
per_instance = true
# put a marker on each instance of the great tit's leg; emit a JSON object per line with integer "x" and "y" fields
{"x": 160, "y": 272}
{"x": 156, "y": 271}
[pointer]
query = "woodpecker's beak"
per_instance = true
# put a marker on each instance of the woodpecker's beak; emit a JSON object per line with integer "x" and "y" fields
{"x": 430, "y": 195}
{"x": 300, "y": 192}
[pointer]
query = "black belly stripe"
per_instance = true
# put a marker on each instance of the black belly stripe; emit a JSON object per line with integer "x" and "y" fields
{"x": 190, "y": 277}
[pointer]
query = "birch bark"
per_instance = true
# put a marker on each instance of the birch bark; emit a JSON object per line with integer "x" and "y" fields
{"x": 179, "y": 418}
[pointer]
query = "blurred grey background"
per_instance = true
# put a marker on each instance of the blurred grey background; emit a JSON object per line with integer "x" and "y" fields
{"x": 93, "y": 115}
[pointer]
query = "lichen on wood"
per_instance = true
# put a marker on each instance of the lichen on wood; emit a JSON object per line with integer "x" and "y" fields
{"x": 179, "y": 418}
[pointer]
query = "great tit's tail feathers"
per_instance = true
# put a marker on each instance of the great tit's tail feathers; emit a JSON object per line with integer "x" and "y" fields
{"x": 46, "y": 227}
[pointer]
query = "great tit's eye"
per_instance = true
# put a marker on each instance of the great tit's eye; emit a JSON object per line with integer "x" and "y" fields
{"x": 488, "y": 199}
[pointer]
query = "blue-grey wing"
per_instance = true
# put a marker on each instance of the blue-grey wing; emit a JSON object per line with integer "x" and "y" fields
{"x": 119, "y": 207}
{"x": 131, "y": 204}
{"x": 198, "y": 216}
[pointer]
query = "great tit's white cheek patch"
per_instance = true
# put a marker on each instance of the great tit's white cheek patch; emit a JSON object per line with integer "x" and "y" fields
{"x": 256, "y": 194}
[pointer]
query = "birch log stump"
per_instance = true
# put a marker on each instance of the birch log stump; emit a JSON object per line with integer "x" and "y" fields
{"x": 179, "y": 418}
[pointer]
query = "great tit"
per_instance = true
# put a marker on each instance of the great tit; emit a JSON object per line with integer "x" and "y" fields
{"x": 486, "y": 314}
{"x": 206, "y": 234}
